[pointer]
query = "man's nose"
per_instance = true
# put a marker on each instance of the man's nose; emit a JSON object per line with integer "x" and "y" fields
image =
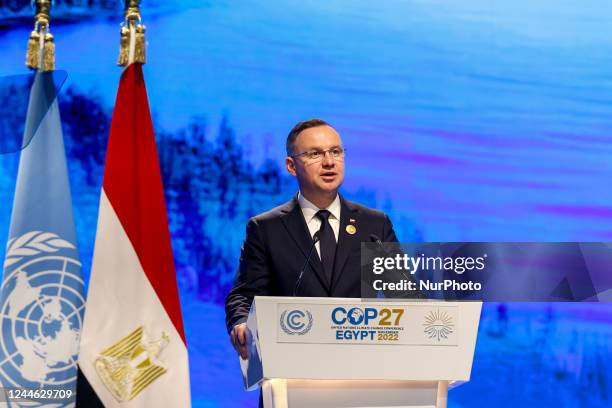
{"x": 328, "y": 160}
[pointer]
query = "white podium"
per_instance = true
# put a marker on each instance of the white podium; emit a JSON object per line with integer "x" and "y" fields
{"x": 334, "y": 352}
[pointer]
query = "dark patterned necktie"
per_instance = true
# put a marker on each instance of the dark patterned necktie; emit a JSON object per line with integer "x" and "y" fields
{"x": 327, "y": 244}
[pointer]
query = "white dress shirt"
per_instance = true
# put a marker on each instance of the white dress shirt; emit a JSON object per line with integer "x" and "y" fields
{"x": 309, "y": 210}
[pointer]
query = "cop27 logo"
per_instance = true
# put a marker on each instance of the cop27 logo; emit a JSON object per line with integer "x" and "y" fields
{"x": 296, "y": 322}
{"x": 370, "y": 315}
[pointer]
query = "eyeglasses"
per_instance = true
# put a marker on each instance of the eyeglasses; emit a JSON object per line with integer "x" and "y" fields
{"x": 312, "y": 156}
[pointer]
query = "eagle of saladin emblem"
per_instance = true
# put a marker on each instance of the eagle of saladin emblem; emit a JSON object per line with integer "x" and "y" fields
{"x": 130, "y": 365}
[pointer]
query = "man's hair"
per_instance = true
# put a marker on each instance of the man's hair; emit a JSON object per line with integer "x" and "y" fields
{"x": 299, "y": 128}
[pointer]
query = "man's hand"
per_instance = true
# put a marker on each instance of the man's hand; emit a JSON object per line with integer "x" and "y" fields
{"x": 238, "y": 337}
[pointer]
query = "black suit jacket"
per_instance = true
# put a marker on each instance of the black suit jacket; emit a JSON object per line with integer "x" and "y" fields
{"x": 276, "y": 247}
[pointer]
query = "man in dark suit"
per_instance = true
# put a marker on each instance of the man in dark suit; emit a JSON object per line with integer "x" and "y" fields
{"x": 278, "y": 241}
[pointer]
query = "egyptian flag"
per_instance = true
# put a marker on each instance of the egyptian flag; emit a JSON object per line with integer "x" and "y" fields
{"x": 133, "y": 351}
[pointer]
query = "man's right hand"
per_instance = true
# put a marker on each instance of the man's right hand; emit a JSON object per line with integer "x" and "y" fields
{"x": 238, "y": 337}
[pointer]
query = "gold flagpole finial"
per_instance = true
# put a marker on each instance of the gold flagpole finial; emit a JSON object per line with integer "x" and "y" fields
{"x": 43, "y": 11}
{"x": 41, "y": 47}
{"x": 132, "y": 43}
{"x": 131, "y": 9}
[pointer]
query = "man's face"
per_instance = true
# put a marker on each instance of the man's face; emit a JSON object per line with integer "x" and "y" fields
{"x": 323, "y": 174}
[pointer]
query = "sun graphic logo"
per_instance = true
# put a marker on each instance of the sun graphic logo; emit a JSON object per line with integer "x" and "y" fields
{"x": 41, "y": 312}
{"x": 438, "y": 325}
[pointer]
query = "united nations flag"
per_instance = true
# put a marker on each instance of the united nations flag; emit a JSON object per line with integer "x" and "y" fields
{"x": 41, "y": 299}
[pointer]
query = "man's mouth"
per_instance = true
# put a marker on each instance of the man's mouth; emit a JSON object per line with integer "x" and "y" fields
{"x": 328, "y": 176}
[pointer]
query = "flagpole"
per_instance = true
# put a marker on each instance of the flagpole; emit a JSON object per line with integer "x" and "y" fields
{"x": 133, "y": 306}
{"x": 41, "y": 275}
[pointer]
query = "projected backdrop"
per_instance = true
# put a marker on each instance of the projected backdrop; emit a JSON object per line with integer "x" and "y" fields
{"x": 463, "y": 121}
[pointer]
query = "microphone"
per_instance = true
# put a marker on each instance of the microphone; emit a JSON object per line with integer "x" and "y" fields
{"x": 315, "y": 239}
{"x": 376, "y": 239}
{"x": 387, "y": 252}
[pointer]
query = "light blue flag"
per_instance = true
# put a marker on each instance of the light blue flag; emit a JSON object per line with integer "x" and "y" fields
{"x": 41, "y": 300}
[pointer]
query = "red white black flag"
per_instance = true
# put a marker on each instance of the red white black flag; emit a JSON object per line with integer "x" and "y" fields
{"x": 133, "y": 350}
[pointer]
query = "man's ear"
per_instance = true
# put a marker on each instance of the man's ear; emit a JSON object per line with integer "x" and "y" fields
{"x": 290, "y": 164}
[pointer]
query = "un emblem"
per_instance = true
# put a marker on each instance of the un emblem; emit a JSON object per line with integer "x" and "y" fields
{"x": 296, "y": 322}
{"x": 41, "y": 312}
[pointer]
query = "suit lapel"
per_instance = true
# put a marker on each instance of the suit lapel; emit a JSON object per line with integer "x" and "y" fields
{"x": 294, "y": 222}
{"x": 346, "y": 242}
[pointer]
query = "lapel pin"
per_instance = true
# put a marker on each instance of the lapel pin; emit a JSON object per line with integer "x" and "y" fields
{"x": 351, "y": 229}
{"x": 352, "y": 220}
